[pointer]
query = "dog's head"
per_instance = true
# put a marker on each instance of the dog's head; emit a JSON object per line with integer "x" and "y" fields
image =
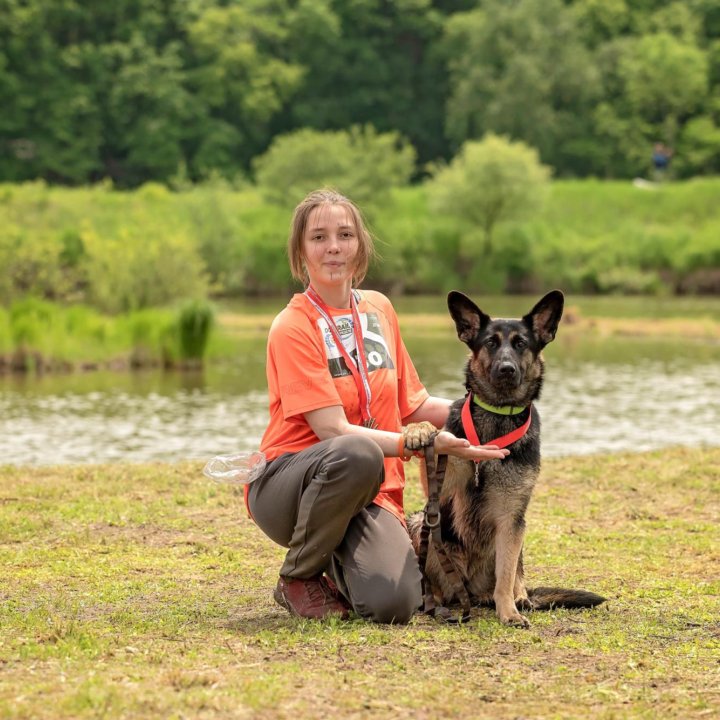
{"x": 506, "y": 365}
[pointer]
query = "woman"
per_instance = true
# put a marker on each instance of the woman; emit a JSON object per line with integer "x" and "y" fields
{"x": 341, "y": 387}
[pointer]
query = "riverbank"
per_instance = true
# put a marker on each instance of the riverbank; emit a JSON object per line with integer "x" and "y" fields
{"x": 144, "y": 591}
{"x": 703, "y": 328}
{"x": 39, "y": 337}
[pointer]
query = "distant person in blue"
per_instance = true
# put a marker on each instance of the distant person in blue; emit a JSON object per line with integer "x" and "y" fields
{"x": 661, "y": 161}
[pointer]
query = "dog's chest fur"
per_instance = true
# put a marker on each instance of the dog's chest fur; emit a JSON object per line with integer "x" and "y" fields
{"x": 503, "y": 487}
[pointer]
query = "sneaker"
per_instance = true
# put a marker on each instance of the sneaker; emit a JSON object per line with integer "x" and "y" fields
{"x": 310, "y": 598}
{"x": 334, "y": 591}
{"x": 332, "y": 588}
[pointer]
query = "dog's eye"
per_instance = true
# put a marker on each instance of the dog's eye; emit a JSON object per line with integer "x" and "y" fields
{"x": 491, "y": 343}
{"x": 519, "y": 344}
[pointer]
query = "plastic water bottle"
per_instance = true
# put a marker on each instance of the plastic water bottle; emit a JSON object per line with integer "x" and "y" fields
{"x": 237, "y": 469}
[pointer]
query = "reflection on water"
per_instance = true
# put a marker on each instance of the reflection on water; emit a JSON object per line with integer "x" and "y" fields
{"x": 602, "y": 396}
{"x": 133, "y": 417}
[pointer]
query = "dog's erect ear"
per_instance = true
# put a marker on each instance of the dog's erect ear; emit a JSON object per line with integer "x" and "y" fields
{"x": 469, "y": 318}
{"x": 544, "y": 318}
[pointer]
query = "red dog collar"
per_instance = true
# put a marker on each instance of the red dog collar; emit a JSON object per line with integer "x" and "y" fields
{"x": 501, "y": 442}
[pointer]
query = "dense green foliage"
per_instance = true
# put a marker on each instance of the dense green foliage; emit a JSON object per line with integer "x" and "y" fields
{"x": 363, "y": 164}
{"x": 166, "y": 90}
{"x": 123, "y": 251}
{"x": 115, "y": 251}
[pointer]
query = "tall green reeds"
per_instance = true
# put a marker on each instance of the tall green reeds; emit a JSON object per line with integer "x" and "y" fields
{"x": 148, "y": 330}
{"x": 195, "y": 322}
{"x": 40, "y": 336}
{"x": 33, "y": 328}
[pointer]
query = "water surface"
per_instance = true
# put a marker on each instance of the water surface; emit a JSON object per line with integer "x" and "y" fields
{"x": 609, "y": 395}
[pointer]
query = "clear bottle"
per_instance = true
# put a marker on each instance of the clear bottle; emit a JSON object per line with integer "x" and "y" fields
{"x": 237, "y": 469}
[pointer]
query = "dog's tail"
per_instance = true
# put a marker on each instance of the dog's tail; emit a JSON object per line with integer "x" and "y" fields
{"x": 546, "y": 598}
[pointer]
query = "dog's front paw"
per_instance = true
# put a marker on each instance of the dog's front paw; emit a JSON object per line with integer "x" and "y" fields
{"x": 417, "y": 436}
{"x": 517, "y": 620}
{"x": 509, "y": 615}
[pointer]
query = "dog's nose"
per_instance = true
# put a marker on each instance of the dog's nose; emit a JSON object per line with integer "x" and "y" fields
{"x": 507, "y": 369}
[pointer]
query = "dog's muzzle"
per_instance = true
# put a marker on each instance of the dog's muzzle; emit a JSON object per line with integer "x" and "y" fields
{"x": 505, "y": 373}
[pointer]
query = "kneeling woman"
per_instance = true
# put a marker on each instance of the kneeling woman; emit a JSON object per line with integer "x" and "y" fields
{"x": 341, "y": 386}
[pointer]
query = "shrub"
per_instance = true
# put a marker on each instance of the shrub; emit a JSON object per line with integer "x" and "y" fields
{"x": 486, "y": 183}
{"x": 361, "y": 163}
{"x": 140, "y": 268}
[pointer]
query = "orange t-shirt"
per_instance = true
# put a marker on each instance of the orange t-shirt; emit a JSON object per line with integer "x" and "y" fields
{"x": 306, "y": 371}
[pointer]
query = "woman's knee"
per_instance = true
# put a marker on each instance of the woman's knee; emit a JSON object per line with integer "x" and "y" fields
{"x": 363, "y": 454}
{"x": 389, "y": 596}
{"x": 359, "y": 460}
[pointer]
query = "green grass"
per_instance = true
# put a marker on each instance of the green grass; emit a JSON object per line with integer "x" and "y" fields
{"x": 145, "y": 592}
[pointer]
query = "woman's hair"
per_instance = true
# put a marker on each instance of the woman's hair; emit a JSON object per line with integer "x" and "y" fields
{"x": 317, "y": 198}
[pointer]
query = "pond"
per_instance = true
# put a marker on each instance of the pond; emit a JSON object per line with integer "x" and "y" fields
{"x": 599, "y": 395}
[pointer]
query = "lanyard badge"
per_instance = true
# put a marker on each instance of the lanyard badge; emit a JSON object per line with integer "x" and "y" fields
{"x": 359, "y": 370}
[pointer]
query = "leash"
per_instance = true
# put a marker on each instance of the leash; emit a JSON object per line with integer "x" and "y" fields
{"x": 431, "y": 530}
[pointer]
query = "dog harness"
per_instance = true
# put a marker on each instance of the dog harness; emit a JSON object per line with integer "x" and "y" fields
{"x": 504, "y": 440}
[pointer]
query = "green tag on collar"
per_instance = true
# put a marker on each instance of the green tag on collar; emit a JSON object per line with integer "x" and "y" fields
{"x": 502, "y": 410}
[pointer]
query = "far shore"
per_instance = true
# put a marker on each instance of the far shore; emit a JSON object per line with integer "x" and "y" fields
{"x": 234, "y": 327}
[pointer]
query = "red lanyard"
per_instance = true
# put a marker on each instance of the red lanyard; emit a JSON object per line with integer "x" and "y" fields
{"x": 359, "y": 370}
{"x": 501, "y": 442}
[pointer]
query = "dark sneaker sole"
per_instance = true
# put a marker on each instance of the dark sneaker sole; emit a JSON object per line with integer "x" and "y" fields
{"x": 280, "y": 600}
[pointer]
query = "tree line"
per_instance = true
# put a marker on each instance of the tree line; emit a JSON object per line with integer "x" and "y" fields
{"x": 188, "y": 90}
{"x": 125, "y": 252}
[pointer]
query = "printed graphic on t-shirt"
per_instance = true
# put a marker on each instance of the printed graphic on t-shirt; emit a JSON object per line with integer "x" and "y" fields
{"x": 376, "y": 349}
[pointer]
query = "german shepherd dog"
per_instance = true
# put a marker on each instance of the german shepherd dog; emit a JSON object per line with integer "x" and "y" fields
{"x": 483, "y": 507}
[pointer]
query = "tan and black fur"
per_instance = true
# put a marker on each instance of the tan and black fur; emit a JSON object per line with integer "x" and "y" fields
{"x": 483, "y": 521}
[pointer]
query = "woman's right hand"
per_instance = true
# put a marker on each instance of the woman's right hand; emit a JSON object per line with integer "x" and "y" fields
{"x": 448, "y": 444}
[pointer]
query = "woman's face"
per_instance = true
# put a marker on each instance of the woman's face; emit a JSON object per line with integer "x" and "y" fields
{"x": 330, "y": 246}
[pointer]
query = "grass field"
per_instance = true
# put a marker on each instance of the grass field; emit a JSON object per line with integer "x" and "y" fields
{"x": 145, "y": 592}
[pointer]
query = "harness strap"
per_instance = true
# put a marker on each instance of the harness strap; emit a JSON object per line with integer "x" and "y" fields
{"x": 502, "y": 441}
{"x": 431, "y": 529}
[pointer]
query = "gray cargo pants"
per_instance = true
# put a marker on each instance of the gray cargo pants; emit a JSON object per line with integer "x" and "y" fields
{"x": 318, "y": 504}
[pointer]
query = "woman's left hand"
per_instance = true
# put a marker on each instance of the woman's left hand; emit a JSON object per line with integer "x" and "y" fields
{"x": 448, "y": 444}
